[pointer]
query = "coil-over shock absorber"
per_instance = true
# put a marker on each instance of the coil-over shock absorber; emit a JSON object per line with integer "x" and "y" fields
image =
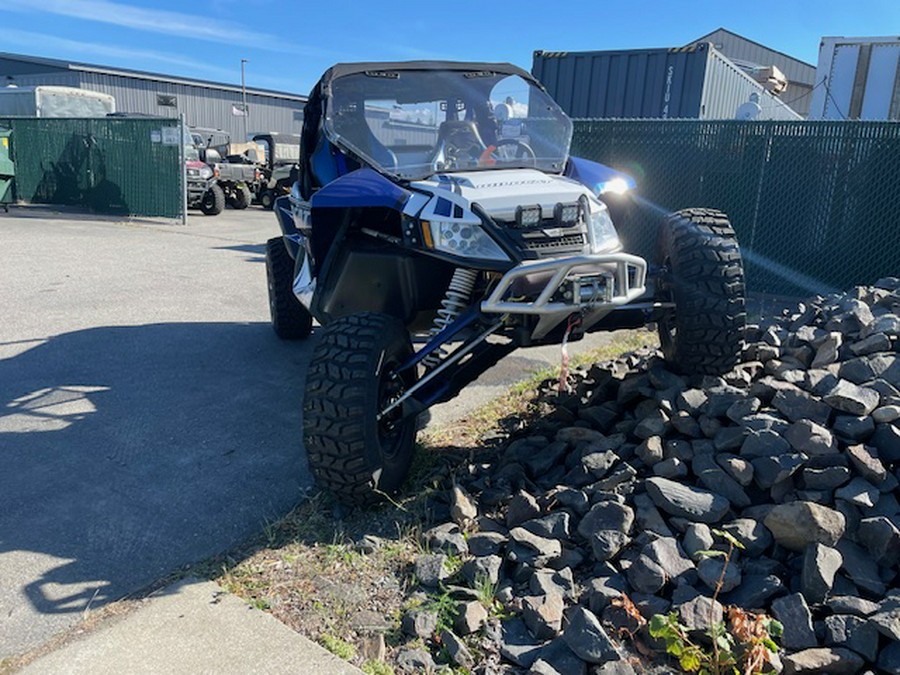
{"x": 456, "y": 299}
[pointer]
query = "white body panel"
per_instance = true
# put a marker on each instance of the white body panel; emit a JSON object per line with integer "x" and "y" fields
{"x": 857, "y": 78}
{"x": 500, "y": 192}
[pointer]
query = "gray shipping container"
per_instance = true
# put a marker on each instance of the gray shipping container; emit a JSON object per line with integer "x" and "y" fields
{"x": 695, "y": 82}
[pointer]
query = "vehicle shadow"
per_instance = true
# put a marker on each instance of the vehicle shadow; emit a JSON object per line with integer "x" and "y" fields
{"x": 255, "y": 252}
{"x": 128, "y": 452}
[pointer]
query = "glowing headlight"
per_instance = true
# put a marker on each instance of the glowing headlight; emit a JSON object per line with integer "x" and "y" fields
{"x": 463, "y": 239}
{"x": 206, "y": 172}
{"x": 602, "y": 232}
{"x": 616, "y": 186}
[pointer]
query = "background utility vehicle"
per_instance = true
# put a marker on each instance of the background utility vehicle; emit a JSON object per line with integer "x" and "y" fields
{"x": 236, "y": 174}
{"x": 282, "y": 152}
{"x": 438, "y": 223}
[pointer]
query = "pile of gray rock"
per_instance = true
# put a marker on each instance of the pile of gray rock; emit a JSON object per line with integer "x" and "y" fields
{"x": 623, "y": 482}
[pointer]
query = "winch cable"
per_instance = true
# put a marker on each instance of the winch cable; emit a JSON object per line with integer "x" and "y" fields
{"x": 563, "y": 386}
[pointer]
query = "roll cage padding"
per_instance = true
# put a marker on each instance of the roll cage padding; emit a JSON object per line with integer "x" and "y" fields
{"x": 342, "y": 69}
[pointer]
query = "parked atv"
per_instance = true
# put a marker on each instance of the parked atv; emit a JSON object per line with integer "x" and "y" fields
{"x": 437, "y": 224}
{"x": 280, "y": 167}
{"x": 203, "y": 190}
{"x": 237, "y": 175}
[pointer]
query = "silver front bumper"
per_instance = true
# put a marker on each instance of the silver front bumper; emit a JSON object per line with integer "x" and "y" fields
{"x": 592, "y": 284}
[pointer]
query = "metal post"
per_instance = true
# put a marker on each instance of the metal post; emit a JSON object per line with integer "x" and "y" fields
{"x": 244, "y": 100}
{"x": 182, "y": 161}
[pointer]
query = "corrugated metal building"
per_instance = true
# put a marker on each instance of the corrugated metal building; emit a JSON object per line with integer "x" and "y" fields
{"x": 747, "y": 54}
{"x": 204, "y": 104}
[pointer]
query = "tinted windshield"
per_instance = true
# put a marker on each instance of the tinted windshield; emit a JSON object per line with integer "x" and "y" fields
{"x": 414, "y": 123}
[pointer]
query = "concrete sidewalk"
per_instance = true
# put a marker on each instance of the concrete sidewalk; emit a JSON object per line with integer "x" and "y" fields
{"x": 191, "y": 627}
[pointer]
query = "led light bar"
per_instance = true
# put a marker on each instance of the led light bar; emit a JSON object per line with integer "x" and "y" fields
{"x": 567, "y": 215}
{"x": 529, "y": 216}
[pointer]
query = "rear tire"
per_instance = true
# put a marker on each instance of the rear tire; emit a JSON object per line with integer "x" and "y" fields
{"x": 290, "y": 319}
{"x": 267, "y": 199}
{"x": 350, "y": 379}
{"x": 242, "y": 197}
{"x": 213, "y": 202}
{"x": 704, "y": 276}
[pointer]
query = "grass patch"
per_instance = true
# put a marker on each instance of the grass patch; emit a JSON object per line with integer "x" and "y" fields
{"x": 377, "y": 668}
{"x": 337, "y": 646}
{"x": 519, "y": 399}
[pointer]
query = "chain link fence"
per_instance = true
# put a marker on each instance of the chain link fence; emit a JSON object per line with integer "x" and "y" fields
{"x": 816, "y": 205}
{"x": 121, "y": 166}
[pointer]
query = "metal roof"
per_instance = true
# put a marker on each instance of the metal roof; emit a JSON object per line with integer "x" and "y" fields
{"x": 803, "y": 66}
{"x": 144, "y": 75}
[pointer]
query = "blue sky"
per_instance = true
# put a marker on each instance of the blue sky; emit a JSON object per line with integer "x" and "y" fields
{"x": 288, "y": 43}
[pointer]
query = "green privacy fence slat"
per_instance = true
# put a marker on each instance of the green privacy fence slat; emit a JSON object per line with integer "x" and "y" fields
{"x": 108, "y": 165}
{"x": 816, "y": 205}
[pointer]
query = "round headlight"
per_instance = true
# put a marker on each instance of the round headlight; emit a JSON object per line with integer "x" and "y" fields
{"x": 206, "y": 172}
{"x": 464, "y": 239}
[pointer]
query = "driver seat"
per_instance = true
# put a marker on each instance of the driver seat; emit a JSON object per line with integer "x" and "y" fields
{"x": 461, "y": 134}
{"x": 454, "y": 138}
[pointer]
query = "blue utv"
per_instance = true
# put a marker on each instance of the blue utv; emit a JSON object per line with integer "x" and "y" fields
{"x": 438, "y": 223}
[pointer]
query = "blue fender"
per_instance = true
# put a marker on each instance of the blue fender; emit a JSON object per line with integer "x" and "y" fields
{"x": 598, "y": 178}
{"x": 361, "y": 188}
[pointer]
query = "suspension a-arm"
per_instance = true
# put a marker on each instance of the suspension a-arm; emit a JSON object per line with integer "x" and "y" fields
{"x": 469, "y": 360}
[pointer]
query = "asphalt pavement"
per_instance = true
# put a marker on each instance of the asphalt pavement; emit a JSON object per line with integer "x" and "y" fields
{"x": 149, "y": 417}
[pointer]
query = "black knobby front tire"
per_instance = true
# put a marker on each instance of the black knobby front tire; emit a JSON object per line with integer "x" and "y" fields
{"x": 213, "y": 202}
{"x": 703, "y": 274}
{"x": 350, "y": 379}
{"x": 267, "y": 199}
{"x": 290, "y": 319}
{"x": 242, "y": 197}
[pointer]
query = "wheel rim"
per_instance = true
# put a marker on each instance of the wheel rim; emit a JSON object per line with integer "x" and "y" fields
{"x": 664, "y": 293}
{"x": 391, "y": 428}
{"x": 270, "y": 277}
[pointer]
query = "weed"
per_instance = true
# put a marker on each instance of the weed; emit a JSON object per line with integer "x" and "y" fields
{"x": 485, "y": 590}
{"x": 338, "y": 647}
{"x": 340, "y": 553}
{"x": 745, "y": 645}
{"x": 486, "y": 594}
{"x": 375, "y": 667}
{"x": 453, "y": 564}
{"x": 270, "y": 532}
{"x": 445, "y": 607}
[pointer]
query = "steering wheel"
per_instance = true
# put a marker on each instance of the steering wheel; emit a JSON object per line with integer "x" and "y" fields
{"x": 509, "y": 150}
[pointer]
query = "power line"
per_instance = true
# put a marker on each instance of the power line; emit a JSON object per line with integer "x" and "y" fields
{"x": 794, "y": 100}
{"x": 836, "y": 106}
